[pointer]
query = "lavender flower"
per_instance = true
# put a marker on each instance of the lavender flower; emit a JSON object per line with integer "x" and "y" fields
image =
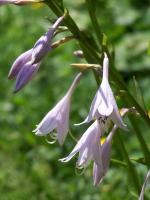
{"x": 43, "y": 45}
{"x": 98, "y": 173}
{"x": 104, "y": 106}
{"x": 58, "y": 117}
{"x": 144, "y": 185}
{"x": 89, "y": 147}
{"x": 27, "y": 64}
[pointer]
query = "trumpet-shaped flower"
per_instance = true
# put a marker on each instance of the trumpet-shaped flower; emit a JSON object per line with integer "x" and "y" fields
{"x": 104, "y": 106}
{"x": 99, "y": 173}
{"x": 88, "y": 147}
{"x": 58, "y": 117}
{"x": 43, "y": 45}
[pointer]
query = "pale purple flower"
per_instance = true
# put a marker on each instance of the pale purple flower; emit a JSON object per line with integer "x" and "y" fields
{"x": 58, "y": 117}
{"x": 144, "y": 186}
{"x": 19, "y": 63}
{"x": 43, "y": 45}
{"x": 98, "y": 173}
{"x": 88, "y": 147}
{"x": 26, "y": 73}
{"x": 27, "y": 64}
{"x": 104, "y": 106}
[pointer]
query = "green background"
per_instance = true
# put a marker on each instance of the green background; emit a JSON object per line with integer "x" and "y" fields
{"x": 29, "y": 166}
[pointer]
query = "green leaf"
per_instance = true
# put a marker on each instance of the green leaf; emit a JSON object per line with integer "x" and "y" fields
{"x": 139, "y": 160}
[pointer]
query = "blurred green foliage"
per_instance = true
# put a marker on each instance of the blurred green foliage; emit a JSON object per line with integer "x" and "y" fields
{"x": 29, "y": 167}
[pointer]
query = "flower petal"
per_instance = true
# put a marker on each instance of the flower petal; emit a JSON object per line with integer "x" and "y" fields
{"x": 84, "y": 146}
{"x": 49, "y": 122}
{"x": 19, "y": 63}
{"x": 97, "y": 174}
{"x": 27, "y": 73}
{"x": 115, "y": 116}
{"x": 63, "y": 122}
{"x": 95, "y": 103}
{"x": 43, "y": 45}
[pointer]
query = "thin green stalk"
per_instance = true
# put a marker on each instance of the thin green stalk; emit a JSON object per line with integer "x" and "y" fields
{"x": 140, "y": 137}
{"x": 131, "y": 170}
{"x": 92, "y": 13}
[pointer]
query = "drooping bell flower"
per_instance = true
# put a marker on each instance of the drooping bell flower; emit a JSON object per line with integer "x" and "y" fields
{"x": 58, "y": 117}
{"x": 98, "y": 173}
{"x": 104, "y": 106}
{"x": 88, "y": 147}
{"x": 26, "y": 73}
{"x": 43, "y": 45}
{"x": 144, "y": 186}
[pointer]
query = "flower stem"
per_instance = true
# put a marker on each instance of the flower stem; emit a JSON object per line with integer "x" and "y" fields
{"x": 92, "y": 12}
{"x": 131, "y": 170}
{"x": 140, "y": 137}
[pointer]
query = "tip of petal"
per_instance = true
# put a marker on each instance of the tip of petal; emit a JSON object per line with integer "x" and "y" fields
{"x": 10, "y": 76}
{"x": 38, "y": 132}
{"x": 16, "y": 90}
{"x": 63, "y": 160}
{"x": 79, "y": 124}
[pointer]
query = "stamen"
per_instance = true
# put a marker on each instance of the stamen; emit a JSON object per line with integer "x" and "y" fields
{"x": 52, "y": 136}
{"x": 79, "y": 170}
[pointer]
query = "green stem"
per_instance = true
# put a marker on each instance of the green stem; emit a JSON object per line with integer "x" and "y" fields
{"x": 92, "y": 13}
{"x": 131, "y": 170}
{"x": 144, "y": 147}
